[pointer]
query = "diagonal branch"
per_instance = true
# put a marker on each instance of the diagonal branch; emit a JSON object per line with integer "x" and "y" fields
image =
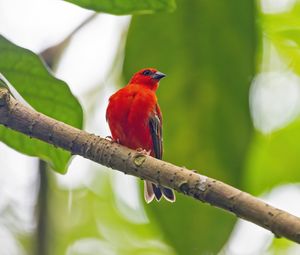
{"x": 21, "y": 118}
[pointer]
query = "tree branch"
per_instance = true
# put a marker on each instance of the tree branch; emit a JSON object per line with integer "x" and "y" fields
{"x": 21, "y": 118}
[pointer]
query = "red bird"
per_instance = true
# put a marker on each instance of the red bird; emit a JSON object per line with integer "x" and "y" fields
{"x": 135, "y": 121}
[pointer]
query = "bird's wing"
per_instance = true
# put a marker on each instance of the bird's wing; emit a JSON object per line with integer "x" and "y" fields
{"x": 155, "y": 125}
{"x": 154, "y": 190}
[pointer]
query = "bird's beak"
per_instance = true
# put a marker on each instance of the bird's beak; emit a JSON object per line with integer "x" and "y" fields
{"x": 158, "y": 75}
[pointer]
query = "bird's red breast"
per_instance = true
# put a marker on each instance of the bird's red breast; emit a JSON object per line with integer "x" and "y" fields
{"x": 128, "y": 116}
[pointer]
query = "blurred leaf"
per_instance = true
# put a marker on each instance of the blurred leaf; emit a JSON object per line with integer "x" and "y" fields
{"x": 283, "y": 246}
{"x": 274, "y": 159}
{"x": 283, "y": 29}
{"x": 207, "y": 49}
{"x": 96, "y": 225}
{"x": 26, "y": 72}
{"x": 122, "y": 7}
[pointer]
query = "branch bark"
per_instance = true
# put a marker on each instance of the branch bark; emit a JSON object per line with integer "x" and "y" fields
{"x": 21, "y": 118}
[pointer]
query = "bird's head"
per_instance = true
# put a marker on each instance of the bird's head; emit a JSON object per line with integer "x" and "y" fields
{"x": 148, "y": 77}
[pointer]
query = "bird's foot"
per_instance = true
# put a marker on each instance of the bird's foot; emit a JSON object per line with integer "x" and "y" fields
{"x": 109, "y": 138}
{"x": 143, "y": 151}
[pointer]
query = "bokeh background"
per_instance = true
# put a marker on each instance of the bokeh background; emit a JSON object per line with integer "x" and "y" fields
{"x": 231, "y": 104}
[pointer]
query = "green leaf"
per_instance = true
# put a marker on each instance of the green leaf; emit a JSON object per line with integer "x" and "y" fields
{"x": 207, "y": 49}
{"x": 123, "y": 7}
{"x": 274, "y": 159}
{"x": 30, "y": 77}
{"x": 283, "y": 31}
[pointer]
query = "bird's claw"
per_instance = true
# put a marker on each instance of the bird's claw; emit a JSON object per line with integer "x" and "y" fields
{"x": 109, "y": 138}
{"x": 143, "y": 151}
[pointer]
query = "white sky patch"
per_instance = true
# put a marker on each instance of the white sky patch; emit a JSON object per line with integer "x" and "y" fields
{"x": 38, "y": 24}
{"x": 274, "y": 100}
{"x": 91, "y": 53}
{"x": 277, "y": 6}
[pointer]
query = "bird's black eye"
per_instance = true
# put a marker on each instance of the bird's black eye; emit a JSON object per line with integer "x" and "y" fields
{"x": 147, "y": 72}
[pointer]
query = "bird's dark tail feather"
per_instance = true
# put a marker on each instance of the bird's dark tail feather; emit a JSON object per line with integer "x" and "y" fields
{"x": 151, "y": 190}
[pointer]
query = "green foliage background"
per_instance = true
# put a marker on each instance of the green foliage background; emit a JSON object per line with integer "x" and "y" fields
{"x": 209, "y": 51}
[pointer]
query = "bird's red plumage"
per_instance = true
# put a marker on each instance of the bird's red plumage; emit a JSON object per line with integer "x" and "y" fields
{"x": 128, "y": 116}
{"x": 135, "y": 120}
